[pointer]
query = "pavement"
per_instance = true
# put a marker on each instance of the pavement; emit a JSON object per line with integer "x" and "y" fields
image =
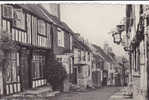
{"x": 98, "y": 94}
{"x": 119, "y": 95}
{"x": 103, "y": 93}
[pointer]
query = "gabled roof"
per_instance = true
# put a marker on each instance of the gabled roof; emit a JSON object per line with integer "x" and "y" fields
{"x": 103, "y": 54}
{"x": 80, "y": 45}
{"x": 57, "y": 21}
{"x": 42, "y": 13}
{"x": 34, "y": 9}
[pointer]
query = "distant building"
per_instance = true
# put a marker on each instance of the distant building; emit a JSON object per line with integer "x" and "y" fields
{"x": 82, "y": 62}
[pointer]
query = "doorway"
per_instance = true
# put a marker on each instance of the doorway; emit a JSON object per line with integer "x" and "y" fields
{"x": 25, "y": 69}
{"x": 75, "y": 75}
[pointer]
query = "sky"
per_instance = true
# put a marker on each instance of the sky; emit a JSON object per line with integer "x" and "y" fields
{"x": 94, "y": 22}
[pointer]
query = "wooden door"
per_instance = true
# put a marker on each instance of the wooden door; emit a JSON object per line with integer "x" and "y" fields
{"x": 25, "y": 69}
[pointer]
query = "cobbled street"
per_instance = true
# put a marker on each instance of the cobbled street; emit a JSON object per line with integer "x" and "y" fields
{"x": 99, "y": 94}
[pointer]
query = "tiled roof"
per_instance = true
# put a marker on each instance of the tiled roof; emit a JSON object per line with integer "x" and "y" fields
{"x": 41, "y": 12}
{"x": 79, "y": 44}
{"x": 57, "y": 21}
{"x": 67, "y": 28}
{"x": 98, "y": 58}
{"x": 34, "y": 9}
{"x": 100, "y": 50}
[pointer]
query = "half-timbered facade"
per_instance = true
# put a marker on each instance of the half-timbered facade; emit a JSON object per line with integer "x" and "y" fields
{"x": 31, "y": 30}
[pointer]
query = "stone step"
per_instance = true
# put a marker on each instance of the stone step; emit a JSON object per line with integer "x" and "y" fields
{"x": 39, "y": 90}
{"x": 35, "y": 92}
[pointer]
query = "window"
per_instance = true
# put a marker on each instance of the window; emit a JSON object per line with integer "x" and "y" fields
{"x": 79, "y": 55}
{"x": 70, "y": 42}
{"x": 60, "y": 37}
{"x": 42, "y": 41}
{"x": 49, "y": 35}
{"x": 29, "y": 28}
{"x": 84, "y": 57}
{"x": 79, "y": 69}
{"x": 59, "y": 59}
{"x": 38, "y": 63}
{"x": 41, "y": 27}
{"x": 89, "y": 71}
{"x": 34, "y": 30}
{"x": 7, "y": 11}
{"x": 13, "y": 34}
{"x": 4, "y": 25}
{"x": 19, "y": 19}
{"x": 13, "y": 68}
{"x": 88, "y": 56}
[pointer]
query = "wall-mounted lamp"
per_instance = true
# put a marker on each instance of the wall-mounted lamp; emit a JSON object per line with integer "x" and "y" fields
{"x": 117, "y": 37}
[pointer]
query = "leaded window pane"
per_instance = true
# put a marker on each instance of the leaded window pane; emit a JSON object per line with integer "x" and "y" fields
{"x": 13, "y": 68}
{"x": 4, "y": 25}
{"x": 37, "y": 66}
{"x": 19, "y": 19}
{"x": 41, "y": 27}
